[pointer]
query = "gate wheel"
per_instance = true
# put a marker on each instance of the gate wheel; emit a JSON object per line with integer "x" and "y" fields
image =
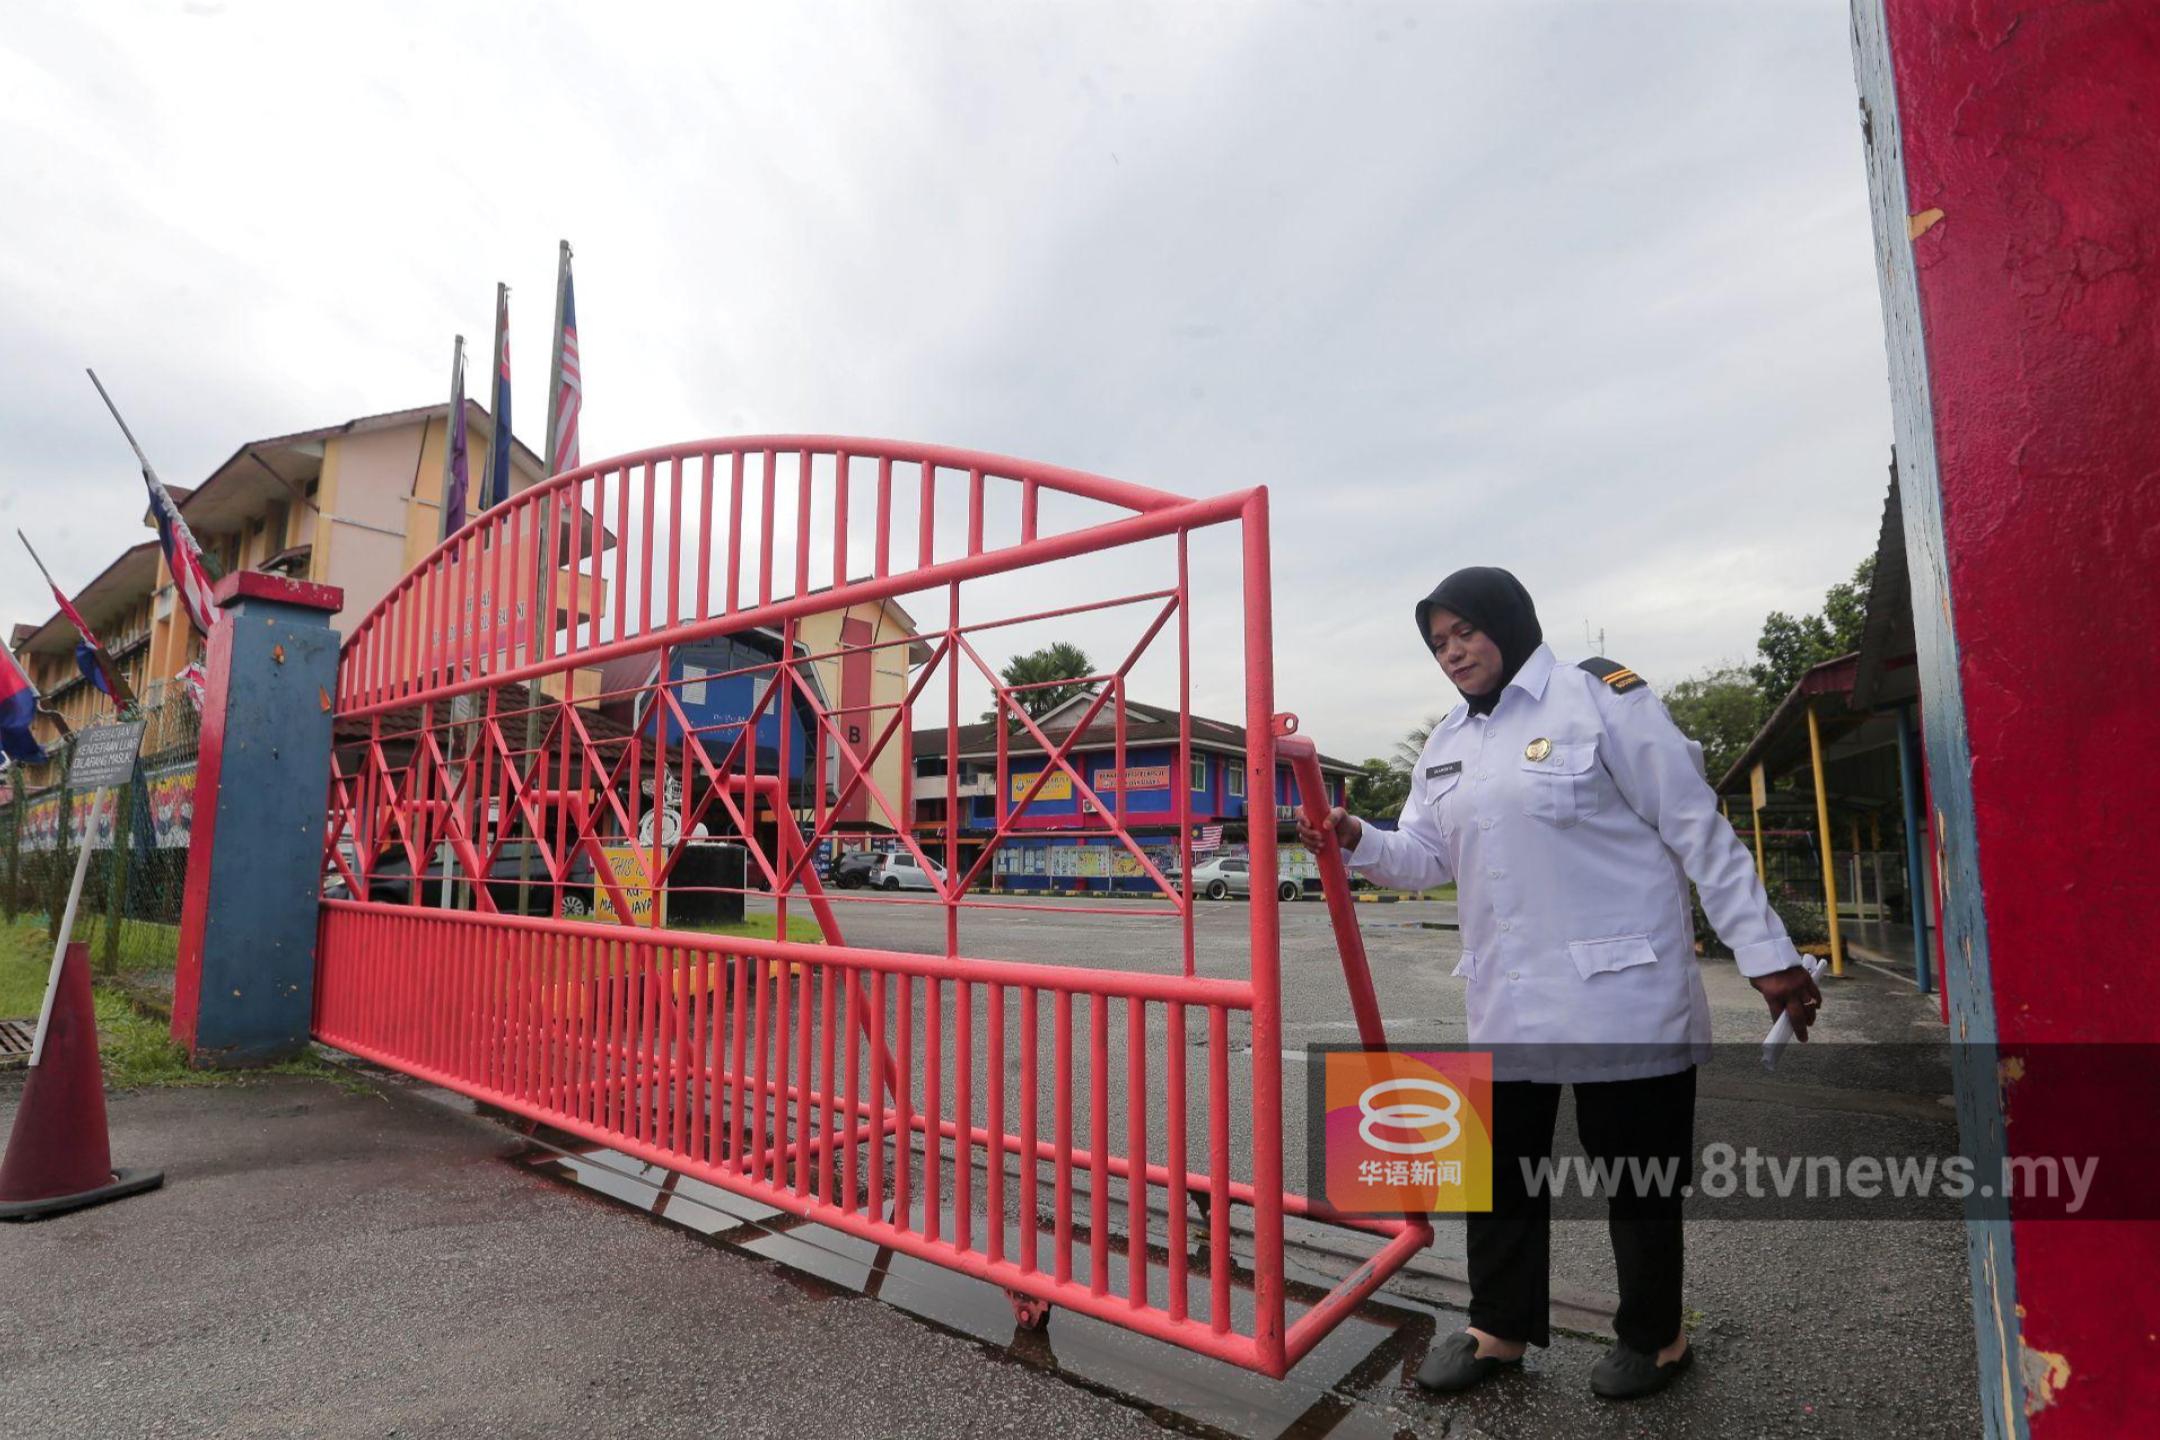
{"x": 1029, "y": 1313}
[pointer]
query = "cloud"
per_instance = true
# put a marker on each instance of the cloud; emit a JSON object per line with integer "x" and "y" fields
{"x": 1584, "y": 290}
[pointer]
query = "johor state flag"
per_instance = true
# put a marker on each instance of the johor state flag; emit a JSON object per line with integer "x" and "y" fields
{"x": 182, "y": 556}
{"x": 459, "y": 480}
{"x": 18, "y": 707}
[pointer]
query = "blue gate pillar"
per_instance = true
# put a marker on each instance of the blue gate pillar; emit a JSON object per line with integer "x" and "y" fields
{"x": 244, "y": 986}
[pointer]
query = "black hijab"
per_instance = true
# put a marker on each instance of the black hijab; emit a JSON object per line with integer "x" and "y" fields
{"x": 1496, "y": 603}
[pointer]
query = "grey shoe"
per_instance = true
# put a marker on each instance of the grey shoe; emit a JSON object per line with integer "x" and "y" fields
{"x": 1624, "y": 1374}
{"x": 1453, "y": 1365}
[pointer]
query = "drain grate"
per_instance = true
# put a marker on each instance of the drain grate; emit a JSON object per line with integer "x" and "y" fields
{"x": 15, "y": 1038}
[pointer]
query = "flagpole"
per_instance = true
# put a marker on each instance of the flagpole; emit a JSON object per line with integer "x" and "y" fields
{"x": 543, "y": 557}
{"x": 149, "y": 471}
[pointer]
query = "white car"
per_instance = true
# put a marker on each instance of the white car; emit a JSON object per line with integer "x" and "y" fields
{"x": 898, "y": 870}
{"x": 1221, "y": 879}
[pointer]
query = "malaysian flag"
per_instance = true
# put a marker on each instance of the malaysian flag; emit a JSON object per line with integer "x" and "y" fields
{"x": 1208, "y": 838}
{"x": 18, "y": 707}
{"x": 569, "y": 395}
{"x": 183, "y": 557}
{"x": 90, "y": 657}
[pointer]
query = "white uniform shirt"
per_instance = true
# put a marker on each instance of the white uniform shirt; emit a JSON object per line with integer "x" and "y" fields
{"x": 1571, "y": 873}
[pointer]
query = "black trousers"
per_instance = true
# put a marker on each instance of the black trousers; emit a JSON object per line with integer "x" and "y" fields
{"x": 1646, "y": 1120}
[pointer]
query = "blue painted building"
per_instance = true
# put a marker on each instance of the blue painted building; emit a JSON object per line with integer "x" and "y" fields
{"x": 1061, "y": 841}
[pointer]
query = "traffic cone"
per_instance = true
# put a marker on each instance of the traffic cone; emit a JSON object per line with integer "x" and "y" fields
{"x": 59, "y": 1157}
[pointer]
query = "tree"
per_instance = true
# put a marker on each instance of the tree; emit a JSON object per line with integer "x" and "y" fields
{"x": 1412, "y": 745}
{"x": 1790, "y": 646}
{"x": 1720, "y": 710}
{"x": 1378, "y": 790}
{"x": 1052, "y": 663}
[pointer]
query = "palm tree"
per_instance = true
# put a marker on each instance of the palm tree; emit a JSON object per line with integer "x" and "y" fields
{"x": 1412, "y": 745}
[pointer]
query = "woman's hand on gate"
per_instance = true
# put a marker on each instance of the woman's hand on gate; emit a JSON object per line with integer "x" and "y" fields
{"x": 1341, "y": 824}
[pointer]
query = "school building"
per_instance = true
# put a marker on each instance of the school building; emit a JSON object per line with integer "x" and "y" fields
{"x": 1059, "y": 840}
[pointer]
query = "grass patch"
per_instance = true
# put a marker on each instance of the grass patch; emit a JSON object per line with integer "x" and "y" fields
{"x": 760, "y": 927}
{"x": 139, "y": 1052}
{"x": 25, "y": 955}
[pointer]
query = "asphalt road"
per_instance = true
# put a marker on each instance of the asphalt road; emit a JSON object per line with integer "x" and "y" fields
{"x": 329, "y": 1263}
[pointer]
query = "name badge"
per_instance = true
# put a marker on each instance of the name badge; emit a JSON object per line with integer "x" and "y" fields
{"x": 1434, "y": 772}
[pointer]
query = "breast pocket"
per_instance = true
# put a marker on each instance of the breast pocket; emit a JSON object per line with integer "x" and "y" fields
{"x": 1441, "y": 799}
{"x": 1561, "y": 786}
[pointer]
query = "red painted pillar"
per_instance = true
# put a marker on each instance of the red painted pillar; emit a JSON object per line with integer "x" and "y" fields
{"x": 2014, "y": 160}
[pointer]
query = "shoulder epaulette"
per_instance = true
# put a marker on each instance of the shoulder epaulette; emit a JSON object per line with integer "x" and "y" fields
{"x": 1613, "y": 673}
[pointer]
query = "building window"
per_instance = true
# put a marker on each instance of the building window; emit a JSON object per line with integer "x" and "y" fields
{"x": 1199, "y": 772}
{"x": 1234, "y": 779}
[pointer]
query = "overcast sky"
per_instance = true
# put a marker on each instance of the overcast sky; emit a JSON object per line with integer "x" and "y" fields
{"x": 1585, "y": 290}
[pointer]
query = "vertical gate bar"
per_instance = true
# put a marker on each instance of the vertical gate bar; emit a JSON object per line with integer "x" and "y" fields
{"x": 946, "y": 888}
{"x": 783, "y": 1033}
{"x": 1098, "y": 1143}
{"x": 963, "y": 1114}
{"x": 582, "y": 1072}
{"x": 975, "y": 518}
{"x": 679, "y": 994}
{"x": 1218, "y": 1212}
{"x": 652, "y": 1102}
{"x": 840, "y": 537}
{"x": 734, "y": 533}
{"x": 826, "y": 977}
{"x": 675, "y": 542}
{"x": 802, "y": 524}
{"x": 1262, "y": 917}
{"x": 599, "y": 544}
{"x": 933, "y": 1104}
{"x": 758, "y": 1091}
{"x": 701, "y": 977}
{"x": 623, "y": 575}
{"x": 926, "y": 520}
{"x": 500, "y": 537}
{"x": 1184, "y": 753}
{"x": 883, "y": 1100}
{"x": 738, "y": 1026}
{"x": 645, "y": 550}
{"x": 1061, "y": 1086}
{"x": 529, "y": 1011}
{"x": 1136, "y": 1185}
{"x": 765, "y": 529}
{"x": 704, "y": 538}
{"x": 1027, "y": 511}
{"x": 994, "y": 1083}
{"x": 604, "y": 1027}
{"x": 548, "y": 546}
{"x": 882, "y": 555}
{"x": 804, "y": 991}
{"x": 904, "y": 1128}
{"x": 1030, "y": 1105}
{"x": 853, "y": 1019}
{"x": 1174, "y": 1128}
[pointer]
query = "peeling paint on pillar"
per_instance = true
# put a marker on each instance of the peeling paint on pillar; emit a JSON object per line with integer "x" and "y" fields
{"x": 244, "y": 984}
{"x": 2014, "y": 163}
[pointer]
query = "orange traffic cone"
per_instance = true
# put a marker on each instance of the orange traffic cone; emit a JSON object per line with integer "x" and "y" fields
{"x": 59, "y": 1157}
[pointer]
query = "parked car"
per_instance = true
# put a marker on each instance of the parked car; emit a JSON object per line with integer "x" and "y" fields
{"x": 1222, "y": 878}
{"x": 853, "y": 870}
{"x": 517, "y": 881}
{"x": 897, "y": 870}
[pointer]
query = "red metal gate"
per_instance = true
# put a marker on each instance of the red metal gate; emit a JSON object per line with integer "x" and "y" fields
{"x": 520, "y": 706}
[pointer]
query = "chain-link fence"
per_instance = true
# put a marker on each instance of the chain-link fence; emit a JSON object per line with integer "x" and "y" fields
{"x": 130, "y": 909}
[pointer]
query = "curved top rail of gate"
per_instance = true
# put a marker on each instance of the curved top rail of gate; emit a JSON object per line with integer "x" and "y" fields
{"x": 657, "y": 552}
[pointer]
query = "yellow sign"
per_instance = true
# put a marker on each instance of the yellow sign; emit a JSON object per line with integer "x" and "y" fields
{"x": 627, "y": 864}
{"x": 1057, "y": 787}
{"x": 1758, "y": 790}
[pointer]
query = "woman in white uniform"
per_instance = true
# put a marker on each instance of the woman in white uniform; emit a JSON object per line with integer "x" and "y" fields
{"x": 1571, "y": 814}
